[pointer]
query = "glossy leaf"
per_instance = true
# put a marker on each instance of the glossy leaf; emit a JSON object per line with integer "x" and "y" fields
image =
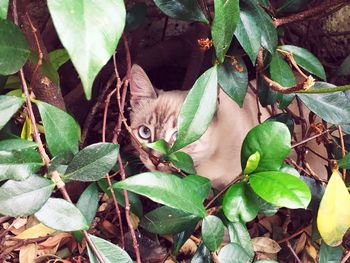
{"x": 272, "y": 141}
{"x": 233, "y": 78}
{"x": 166, "y": 220}
{"x": 182, "y": 161}
{"x": 21, "y": 198}
{"x": 14, "y": 49}
{"x": 330, "y": 254}
{"x": 212, "y": 232}
{"x": 281, "y": 189}
{"x": 166, "y": 189}
{"x": 134, "y": 200}
{"x": 58, "y": 57}
{"x": 333, "y": 218}
{"x": 282, "y": 74}
{"x": 110, "y": 253}
{"x": 345, "y": 162}
{"x": 252, "y": 163}
{"x": 3, "y": 9}
{"x": 135, "y": 16}
{"x": 160, "y": 146}
{"x": 93, "y": 162}
{"x": 62, "y": 132}
{"x": 39, "y": 230}
{"x": 285, "y": 118}
{"x": 88, "y": 202}
{"x": 82, "y": 22}
{"x": 326, "y": 105}
{"x": 306, "y": 60}
{"x": 19, "y": 164}
{"x": 45, "y": 68}
{"x": 201, "y": 185}
{"x": 197, "y": 110}
{"x": 61, "y": 215}
{"x": 16, "y": 144}
{"x": 202, "y": 255}
{"x": 182, "y": 9}
{"x": 240, "y": 203}
{"x": 233, "y": 253}
{"x": 248, "y": 32}
{"x": 9, "y": 105}
{"x": 239, "y": 234}
{"x": 224, "y": 24}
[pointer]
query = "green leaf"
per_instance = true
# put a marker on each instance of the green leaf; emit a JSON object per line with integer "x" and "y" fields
{"x": 201, "y": 185}
{"x": 187, "y": 10}
{"x": 326, "y": 105}
{"x": 233, "y": 79}
{"x": 330, "y": 254}
{"x": 110, "y": 253}
{"x": 90, "y": 32}
{"x": 283, "y": 74}
{"x": 212, "y": 232}
{"x": 281, "y": 189}
{"x": 240, "y": 203}
{"x": 306, "y": 60}
{"x": 166, "y": 220}
{"x": 135, "y": 16}
{"x": 88, "y": 202}
{"x": 334, "y": 211}
{"x": 252, "y": 163}
{"x": 272, "y": 140}
{"x": 22, "y": 198}
{"x": 197, "y": 110}
{"x": 285, "y": 118}
{"x": 239, "y": 234}
{"x": 58, "y": 57}
{"x": 344, "y": 68}
{"x": 345, "y": 162}
{"x": 166, "y": 189}
{"x": 233, "y": 253}
{"x": 182, "y": 161}
{"x": 13, "y": 48}
{"x": 93, "y": 162}
{"x": 16, "y": 144}
{"x": 134, "y": 200}
{"x": 9, "y": 105}
{"x": 248, "y": 32}
{"x": 62, "y": 132}
{"x": 267, "y": 30}
{"x": 19, "y": 164}
{"x": 3, "y": 9}
{"x": 223, "y": 27}
{"x": 292, "y": 6}
{"x": 202, "y": 255}
{"x": 61, "y": 215}
{"x": 160, "y": 146}
{"x": 180, "y": 239}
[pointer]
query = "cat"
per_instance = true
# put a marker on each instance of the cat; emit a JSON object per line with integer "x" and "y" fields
{"x": 216, "y": 155}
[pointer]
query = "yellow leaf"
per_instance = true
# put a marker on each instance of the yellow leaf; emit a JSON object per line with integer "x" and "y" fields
{"x": 26, "y": 133}
{"x": 28, "y": 253}
{"x": 333, "y": 217}
{"x": 38, "y": 230}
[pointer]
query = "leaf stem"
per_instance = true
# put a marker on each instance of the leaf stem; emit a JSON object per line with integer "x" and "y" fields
{"x": 325, "y": 90}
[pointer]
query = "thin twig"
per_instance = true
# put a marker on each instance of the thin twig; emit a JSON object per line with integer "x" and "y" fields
{"x": 346, "y": 257}
{"x": 121, "y": 104}
{"x": 293, "y": 252}
{"x": 308, "y": 13}
{"x": 292, "y": 236}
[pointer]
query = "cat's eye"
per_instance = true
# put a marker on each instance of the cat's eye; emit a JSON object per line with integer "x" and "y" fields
{"x": 144, "y": 132}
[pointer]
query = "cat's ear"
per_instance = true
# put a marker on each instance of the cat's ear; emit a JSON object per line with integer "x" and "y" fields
{"x": 140, "y": 85}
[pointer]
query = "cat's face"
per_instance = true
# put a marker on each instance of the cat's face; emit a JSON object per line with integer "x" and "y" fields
{"x": 154, "y": 113}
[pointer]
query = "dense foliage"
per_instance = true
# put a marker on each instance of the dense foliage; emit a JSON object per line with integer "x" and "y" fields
{"x": 42, "y": 147}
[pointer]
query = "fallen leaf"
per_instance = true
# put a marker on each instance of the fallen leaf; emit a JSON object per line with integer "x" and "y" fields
{"x": 28, "y": 253}
{"x": 38, "y": 230}
{"x": 266, "y": 245}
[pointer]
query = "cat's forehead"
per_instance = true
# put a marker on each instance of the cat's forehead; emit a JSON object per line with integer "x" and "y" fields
{"x": 160, "y": 111}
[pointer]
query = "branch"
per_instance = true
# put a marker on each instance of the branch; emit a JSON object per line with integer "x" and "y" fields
{"x": 320, "y": 9}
